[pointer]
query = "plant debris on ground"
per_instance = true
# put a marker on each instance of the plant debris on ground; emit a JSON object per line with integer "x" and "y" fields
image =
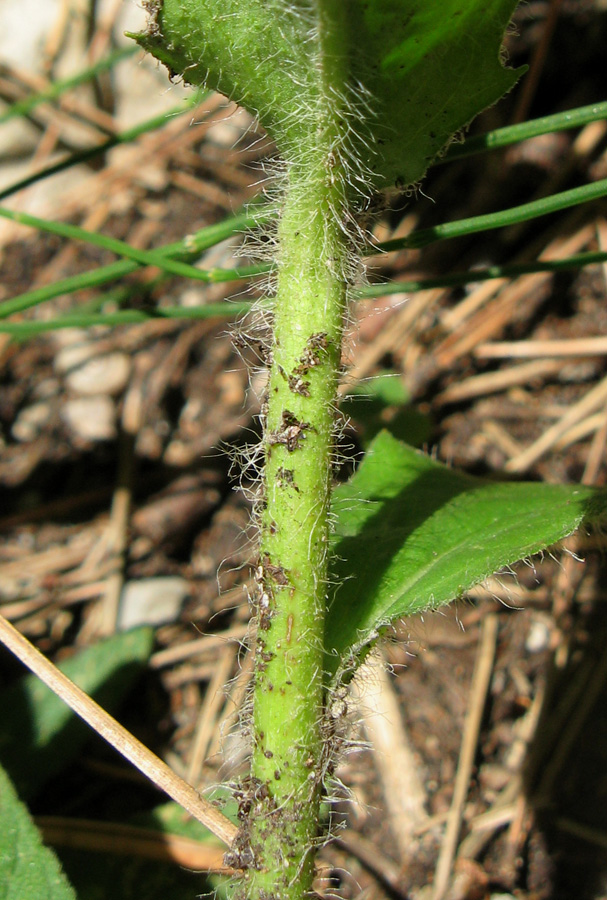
{"x": 125, "y": 500}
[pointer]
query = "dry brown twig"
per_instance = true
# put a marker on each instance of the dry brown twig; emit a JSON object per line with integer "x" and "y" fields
{"x": 129, "y": 840}
{"x": 480, "y": 685}
{"x": 394, "y": 757}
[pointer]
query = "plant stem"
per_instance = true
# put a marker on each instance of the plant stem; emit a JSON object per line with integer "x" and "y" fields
{"x": 291, "y": 744}
{"x": 288, "y": 756}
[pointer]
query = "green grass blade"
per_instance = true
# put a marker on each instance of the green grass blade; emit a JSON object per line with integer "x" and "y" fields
{"x": 94, "y": 278}
{"x": 105, "y": 274}
{"x": 161, "y": 258}
{"x": 513, "y": 216}
{"x": 204, "y": 239}
{"x": 97, "y": 278}
{"x": 459, "y": 279}
{"x": 228, "y": 309}
{"x": 120, "y": 248}
{"x": 514, "y": 134}
{"x": 189, "y": 248}
{"x": 25, "y": 106}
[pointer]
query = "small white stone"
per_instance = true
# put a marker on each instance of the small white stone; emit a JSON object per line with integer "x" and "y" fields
{"x": 538, "y": 638}
{"x": 30, "y": 421}
{"x": 73, "y": 354}
{"x": 101, "y": 375}
{"x": 91, "y": 418}
{"x": 151, "y": 601}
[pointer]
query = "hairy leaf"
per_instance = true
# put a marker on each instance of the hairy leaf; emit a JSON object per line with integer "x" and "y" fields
{"x": 399, "y": 77}
{"x": 413, "y": 534}
{"x": 28, "y": 869}
{"x": 253, "y": 51}
{"x": 430, "y": 66}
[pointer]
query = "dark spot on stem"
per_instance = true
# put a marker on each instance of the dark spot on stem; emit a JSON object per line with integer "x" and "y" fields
{"x": 276, "y": 573}
{"x": 298, "y": 385}
{"x": 316, "y": 345}
{"x": 240, "y": 855}
{"x": 286, "y": 478}
{"x": 291, "y": 432}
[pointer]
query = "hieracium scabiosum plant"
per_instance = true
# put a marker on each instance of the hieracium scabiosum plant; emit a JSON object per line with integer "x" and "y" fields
{"x": 359, "y": 97}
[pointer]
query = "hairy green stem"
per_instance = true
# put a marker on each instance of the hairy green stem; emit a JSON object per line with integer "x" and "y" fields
{"x": 288, "y": 757}
{"x": 291, "y": 748}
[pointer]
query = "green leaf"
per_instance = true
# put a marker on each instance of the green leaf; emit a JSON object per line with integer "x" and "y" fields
{"x": 28, "y": 869}
{"x": 253, "y": 51}
{"x": 400, "y": 76}
{"x": 413, "y": 534}
{"x": 39, "y": 733}
{"x": 429, "y": 67}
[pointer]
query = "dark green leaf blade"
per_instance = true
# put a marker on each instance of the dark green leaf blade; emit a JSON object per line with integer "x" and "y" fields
{"x": 39, "y": 734}
{"x": 28, "y": 869}
{"x": 429, "y": 67}
{"x": 413, "y": 534}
